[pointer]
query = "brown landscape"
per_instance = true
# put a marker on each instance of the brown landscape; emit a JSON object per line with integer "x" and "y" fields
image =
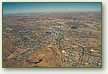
{"x": 69, "y": 39}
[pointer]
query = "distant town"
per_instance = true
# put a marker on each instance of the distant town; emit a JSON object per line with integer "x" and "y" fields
{"x": 66, "y": 39}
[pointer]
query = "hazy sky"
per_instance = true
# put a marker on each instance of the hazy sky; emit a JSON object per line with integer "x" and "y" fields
{"x": 9, "y": 8}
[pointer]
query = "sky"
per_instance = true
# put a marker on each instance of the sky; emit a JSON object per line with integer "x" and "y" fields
{"x": 14, "y": 8}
